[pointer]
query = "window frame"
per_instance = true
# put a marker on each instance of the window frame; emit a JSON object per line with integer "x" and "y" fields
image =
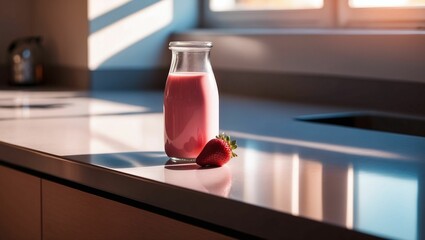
{"x": 381, "y": 17}
{"x": 333, "y": 14}
{"x": 288, "y": 18}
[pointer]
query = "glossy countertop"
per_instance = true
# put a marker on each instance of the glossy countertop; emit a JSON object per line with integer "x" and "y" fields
{"x": 290, "y": 177}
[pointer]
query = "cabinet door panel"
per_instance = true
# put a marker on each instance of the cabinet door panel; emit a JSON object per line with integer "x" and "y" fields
{"x": 20, "y": 205}
{"x": 73, "y": 214}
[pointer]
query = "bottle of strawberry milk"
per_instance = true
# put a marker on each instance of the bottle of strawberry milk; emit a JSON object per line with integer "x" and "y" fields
{"x": 190, "y": 100}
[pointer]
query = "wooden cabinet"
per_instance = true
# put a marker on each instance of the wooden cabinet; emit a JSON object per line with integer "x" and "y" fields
{"x": 20, "y": 205}
{"x": 35, "y": 208}
{"x": 73, "y": 214}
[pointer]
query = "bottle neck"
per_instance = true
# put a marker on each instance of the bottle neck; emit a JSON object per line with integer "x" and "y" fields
{"x": 188, "y": 61}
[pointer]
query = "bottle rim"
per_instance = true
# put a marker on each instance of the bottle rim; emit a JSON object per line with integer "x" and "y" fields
{"x": 188, "y": 45}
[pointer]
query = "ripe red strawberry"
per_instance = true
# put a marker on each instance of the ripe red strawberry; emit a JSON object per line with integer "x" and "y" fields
{"x": 217, "y": 151}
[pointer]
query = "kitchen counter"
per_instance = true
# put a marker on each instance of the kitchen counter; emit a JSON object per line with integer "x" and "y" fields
{"x": 291, "y": 179}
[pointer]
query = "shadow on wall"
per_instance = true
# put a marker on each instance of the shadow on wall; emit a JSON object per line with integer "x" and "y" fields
{"x": 129, "y": 38}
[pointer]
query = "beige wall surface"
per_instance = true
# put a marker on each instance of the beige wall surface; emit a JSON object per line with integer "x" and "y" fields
{"x": 133, "y": 34}
{"x": 120, "y": 35}
{"x": 15, "y": 18}
{"x": 62, "y": 24}
{"x": 64, "y": 27}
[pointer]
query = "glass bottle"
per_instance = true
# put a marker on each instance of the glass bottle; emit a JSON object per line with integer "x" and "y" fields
{"x": 190, "y": 100}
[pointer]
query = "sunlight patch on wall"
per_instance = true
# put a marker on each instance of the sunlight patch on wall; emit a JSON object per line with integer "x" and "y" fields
{"x": 121, "y": 34}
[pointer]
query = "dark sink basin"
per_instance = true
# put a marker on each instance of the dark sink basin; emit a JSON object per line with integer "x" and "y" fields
{"x": 35, "y": 105}
{"x": 372, "y": 121}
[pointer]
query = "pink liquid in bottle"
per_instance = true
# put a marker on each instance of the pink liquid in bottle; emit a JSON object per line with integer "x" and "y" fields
{"x": 191, "y": 113}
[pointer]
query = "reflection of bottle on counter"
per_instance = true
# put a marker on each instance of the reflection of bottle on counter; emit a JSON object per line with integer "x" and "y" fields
{"x": 324, "y": 192}
{"x": 217, "y": 181}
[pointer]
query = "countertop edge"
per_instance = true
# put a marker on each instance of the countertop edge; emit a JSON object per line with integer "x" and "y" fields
{"x": 225, "y": 213}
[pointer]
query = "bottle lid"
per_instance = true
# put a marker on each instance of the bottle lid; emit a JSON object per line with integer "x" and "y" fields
{"x": 190, "y": 45}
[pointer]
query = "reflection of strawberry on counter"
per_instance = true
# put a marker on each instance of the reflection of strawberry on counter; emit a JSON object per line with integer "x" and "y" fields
{"x": 217, "y": 181}
{"x": 212, "y": 176}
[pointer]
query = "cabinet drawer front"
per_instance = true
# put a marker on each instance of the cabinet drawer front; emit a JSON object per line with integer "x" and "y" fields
{"x": 20, "y": 205}
{"x": 73, "y": 214}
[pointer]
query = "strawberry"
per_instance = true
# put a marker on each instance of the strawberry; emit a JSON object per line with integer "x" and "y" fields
{"x": 217, "y": 151}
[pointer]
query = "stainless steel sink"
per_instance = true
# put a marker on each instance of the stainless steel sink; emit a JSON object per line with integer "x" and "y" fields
{"x": 372, "y": 121}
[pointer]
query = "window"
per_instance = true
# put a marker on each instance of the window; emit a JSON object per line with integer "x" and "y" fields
{"x": 382, "y": 13}
{"x": 243, "y": 5}
{"x": 315, "y": 13}
{"x": 269, "y": 13}
{"x": 386, "y": 3}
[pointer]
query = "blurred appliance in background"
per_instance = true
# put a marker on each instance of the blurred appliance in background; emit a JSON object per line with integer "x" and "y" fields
{"x": 25, "y": 59}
